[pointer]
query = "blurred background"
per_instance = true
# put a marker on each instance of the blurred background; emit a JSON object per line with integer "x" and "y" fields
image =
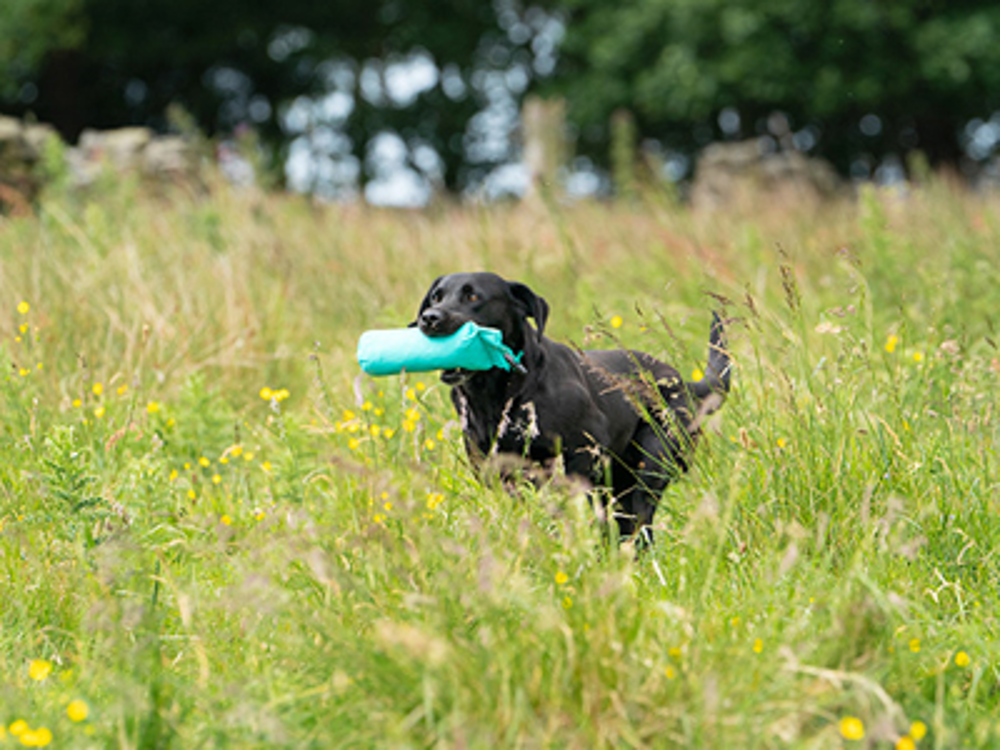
{"x": 402, "y": 103}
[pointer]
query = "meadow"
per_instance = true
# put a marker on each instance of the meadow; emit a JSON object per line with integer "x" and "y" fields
{"x": 214, "y": 532}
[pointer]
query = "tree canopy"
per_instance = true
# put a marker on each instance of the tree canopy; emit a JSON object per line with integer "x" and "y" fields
{"x": 847, "y": 79}
{"x": 692, "y": 70}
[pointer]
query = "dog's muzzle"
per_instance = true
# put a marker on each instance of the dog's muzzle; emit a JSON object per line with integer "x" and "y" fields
{"x": 455, "y": 376}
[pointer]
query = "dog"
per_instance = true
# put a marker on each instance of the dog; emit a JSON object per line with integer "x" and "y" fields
{"x": 620, "y": 420}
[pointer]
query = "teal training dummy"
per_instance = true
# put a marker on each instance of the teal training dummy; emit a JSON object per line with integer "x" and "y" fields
{"x": 471, "y": 347}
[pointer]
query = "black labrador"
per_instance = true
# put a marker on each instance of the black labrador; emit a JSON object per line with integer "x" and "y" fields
{"x": 620, "y": 420}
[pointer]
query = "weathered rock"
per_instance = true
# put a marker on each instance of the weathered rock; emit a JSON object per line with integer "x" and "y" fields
{"x": 733, "y": 173}
{"x": 169, "y": 156}
{"x": 131, "y": 150}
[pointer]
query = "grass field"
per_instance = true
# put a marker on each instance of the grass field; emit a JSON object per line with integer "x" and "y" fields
{"x": 214, "y": 533}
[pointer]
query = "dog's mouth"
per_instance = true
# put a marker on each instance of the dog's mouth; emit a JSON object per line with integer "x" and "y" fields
{"x": 455, "y": 376}
{"x": 440, "y": 328}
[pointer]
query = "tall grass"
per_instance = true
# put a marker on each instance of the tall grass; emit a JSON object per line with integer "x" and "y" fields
{"x": 202, "y": 566}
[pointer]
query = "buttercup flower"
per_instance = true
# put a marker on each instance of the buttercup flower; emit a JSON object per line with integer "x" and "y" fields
{"x": 39, "y": 669}
{"x": 852, "y": 728}
{"x": 77, "y": 710}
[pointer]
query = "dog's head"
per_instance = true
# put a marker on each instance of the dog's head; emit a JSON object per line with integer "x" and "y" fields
{"x": 487, "y": 300}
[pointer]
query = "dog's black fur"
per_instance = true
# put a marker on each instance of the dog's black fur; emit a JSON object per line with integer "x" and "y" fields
{"x": 620, "y": 420}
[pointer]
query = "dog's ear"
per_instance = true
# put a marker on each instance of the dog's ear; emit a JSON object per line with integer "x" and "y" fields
{"x": 426, "y": 302}
{"x": 532, "y": 305}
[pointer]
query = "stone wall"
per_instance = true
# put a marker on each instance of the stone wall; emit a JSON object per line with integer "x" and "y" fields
{"x": 124, "y": 151}
{"x": 731, "y": 173}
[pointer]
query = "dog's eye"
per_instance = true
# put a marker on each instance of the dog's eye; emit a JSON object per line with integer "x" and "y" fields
{"x": 472, "y": 297}
{"x": 437, "y": 296}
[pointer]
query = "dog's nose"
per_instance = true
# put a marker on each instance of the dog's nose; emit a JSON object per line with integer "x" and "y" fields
{"x": 431, "y": 320}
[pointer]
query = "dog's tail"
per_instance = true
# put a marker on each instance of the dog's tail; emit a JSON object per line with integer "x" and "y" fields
{"x": 711, "y": 390}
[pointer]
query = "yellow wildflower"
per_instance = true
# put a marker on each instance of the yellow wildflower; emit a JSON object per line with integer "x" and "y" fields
{"x": 216, "y": 479}
{"x": 98, "y": 389}
{"x": 122, "y": 389}
{"x": 918, "y": 730}
{"x": 429, "y": 444}
{"x": 962, "y": 659}
{"x": 266, "y": 466}
{"x": 236, "y": 451}
{"x": 906, "y": 743}
{"x": 616, "y": 321}
{"x": 670, "y": 673}
{"x": 204, "y": 461}
{"x": 36, "y": 738}
{"x": 152, "y": 407}
{"x": 918, "y": 357}
{"x": 758, "y": 646}
{"x": 561, "y": 578}
{"x": 890, "y": 343}
{"x": 266, "y": 393}
{"x": 39, "y": 669}
{"x": 915, "y": 645}
{"x": 852, "y": 728}
{"x": 19, "y": 727}
{"x": 567, "y": 602}
{"x": 77, "y": 403}
{"x": 23, "y": 307}
{"x": 226, "y": 520}
{"x": 697, "y": 375}
{"x": 77, "y": 710}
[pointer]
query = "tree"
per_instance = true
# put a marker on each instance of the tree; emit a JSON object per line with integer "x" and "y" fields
{"x": 28, "y": 30}
{"x": 231, "y": 62}
{"x": 854, "y": 77}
